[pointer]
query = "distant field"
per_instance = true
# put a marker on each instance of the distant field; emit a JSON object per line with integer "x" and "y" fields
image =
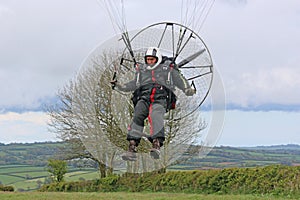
{"x": 128, "y": 196}
{"x": 27, "y": 178}
{"x": 19, "y": 162}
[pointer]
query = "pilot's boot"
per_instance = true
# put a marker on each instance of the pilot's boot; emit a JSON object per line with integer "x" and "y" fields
{"x": 130, "y": 155}
{"x": 155, "y": 151}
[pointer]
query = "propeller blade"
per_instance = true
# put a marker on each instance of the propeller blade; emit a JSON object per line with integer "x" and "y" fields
{"x": 190, "y": 58}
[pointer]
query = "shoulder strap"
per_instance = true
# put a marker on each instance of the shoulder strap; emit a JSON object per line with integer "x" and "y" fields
{"x": 138, "y": 74}
{"x": 169, "y": 80}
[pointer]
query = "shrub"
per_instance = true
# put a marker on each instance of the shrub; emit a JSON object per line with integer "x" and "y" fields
{"x": 274, "y": 180}
{"x": 6, "y": 188}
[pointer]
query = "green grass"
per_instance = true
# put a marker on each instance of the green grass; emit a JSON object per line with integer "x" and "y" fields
{"x": 26, "y": 185}
{"x": 21, "y": 169}
{"x": 84, "y": 175}
{"x": 2, "y": 153}
{"x": 25, "y": 177}
{"x": 33, "y": 174}
{"x": 7, "y": 179}
{"x": 128, "y": 196}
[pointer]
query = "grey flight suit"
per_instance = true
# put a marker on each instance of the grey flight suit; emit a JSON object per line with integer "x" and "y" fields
{"x": 152, "y": 91}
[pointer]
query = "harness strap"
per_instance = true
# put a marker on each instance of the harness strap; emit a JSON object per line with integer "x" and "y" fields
{"x": 138, "y": 80}
{"x": 169, "y": 81}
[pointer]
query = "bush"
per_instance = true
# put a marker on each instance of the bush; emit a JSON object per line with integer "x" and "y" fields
{"x": 6, "y": 188}
{"x": 274, "y": 180}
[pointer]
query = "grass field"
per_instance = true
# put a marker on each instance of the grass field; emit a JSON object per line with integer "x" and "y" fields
{"x": 28, "y": 178}
{"x": 128, "y": 196}
{"x": 19, "y": 164}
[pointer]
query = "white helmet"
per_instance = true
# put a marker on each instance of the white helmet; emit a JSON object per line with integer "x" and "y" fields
{"x": 153, "y": 52}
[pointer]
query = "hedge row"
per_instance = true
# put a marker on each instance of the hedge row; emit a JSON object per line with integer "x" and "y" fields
{"x": 277, "y": 180}
{"x": 6, "y": 188}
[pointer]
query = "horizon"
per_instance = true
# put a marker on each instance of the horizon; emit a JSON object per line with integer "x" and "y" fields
{"x": 217, "y": 146}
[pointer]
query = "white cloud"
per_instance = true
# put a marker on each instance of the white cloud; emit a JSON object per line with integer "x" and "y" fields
{"x": 38, "y": 118}
{"x": 5, "y": 11}
{"x": 25, "y": 127}
{"x": 240, "y": 128}
{"x": 275, "y": 86}
{"x": 254, "y": 44}
{"x": 43, "y": 45}
{"x": 255, "y": 47}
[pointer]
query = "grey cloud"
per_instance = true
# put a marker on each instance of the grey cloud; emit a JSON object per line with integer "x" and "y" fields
{"x": 43, "y": 43}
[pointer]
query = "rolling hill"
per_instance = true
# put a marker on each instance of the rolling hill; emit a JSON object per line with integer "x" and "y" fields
{"x": 23, "y": 165}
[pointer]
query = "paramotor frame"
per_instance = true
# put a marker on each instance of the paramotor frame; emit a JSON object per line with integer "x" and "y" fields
{"x": 184, "y": 47}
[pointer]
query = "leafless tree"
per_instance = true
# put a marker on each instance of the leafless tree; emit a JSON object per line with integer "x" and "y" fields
{"x": 93, "y": 119}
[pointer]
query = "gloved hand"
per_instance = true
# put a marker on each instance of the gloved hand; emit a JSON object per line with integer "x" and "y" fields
{"x": 189, "y": 91}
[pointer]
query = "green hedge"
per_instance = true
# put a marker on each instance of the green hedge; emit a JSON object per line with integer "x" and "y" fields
{"x": 6, "y": 188}
{"x": 276, "y": 180}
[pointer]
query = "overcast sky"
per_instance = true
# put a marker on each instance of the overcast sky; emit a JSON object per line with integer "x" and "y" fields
{"x": 255, "y": 46}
